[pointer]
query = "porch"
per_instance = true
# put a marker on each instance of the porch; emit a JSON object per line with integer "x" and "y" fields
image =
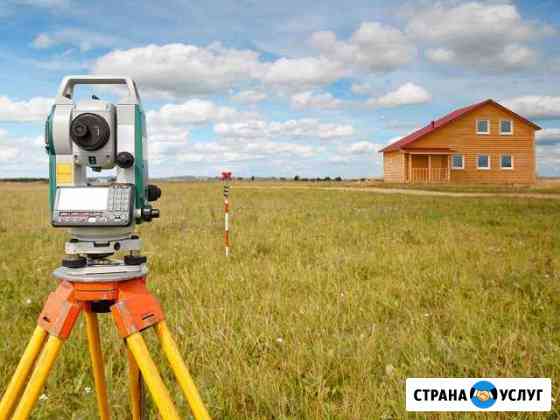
{"x": 427, "y": 165}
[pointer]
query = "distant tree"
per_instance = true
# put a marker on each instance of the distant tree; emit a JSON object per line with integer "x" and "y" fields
{"x": 252, "y": 178}
{"x": 327, "y": 178}
{"x": 296, "y": 178}
{"x": 338, "y": 179}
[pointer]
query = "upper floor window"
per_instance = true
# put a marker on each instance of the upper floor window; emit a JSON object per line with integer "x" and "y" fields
{"x": 482, "y": 126}
{"x": 483, "y": 162}
{"x": 457, "y": 162}
{"x": 506, "y": 127}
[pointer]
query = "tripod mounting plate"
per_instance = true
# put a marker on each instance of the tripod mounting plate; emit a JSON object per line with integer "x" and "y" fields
{"x": 98, "y": 247}
{"x": 100, "y": 273}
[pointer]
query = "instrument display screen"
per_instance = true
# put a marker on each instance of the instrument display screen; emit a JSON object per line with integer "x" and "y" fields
{"x": 83, "y": 199}
{"x": 94, "y": 206}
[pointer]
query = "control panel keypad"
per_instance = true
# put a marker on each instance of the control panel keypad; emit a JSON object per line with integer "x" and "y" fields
{"x": 118, "y": 210}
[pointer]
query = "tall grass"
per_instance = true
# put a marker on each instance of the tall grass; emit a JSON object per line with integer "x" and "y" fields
{"x": 330, "y": 300}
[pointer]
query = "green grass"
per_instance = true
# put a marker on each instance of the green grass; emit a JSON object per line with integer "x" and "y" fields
{"x": 542, "y": 186}
{"x": 330, "y": 300}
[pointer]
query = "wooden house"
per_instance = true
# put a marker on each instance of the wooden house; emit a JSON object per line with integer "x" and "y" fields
{"x": 481, "y": 143}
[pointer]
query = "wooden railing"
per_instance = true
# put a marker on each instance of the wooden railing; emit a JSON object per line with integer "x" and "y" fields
{"x": 427, "y": 175}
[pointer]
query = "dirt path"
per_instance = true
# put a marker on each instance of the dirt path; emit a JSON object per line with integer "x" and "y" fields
{"x": 408, "y": 191}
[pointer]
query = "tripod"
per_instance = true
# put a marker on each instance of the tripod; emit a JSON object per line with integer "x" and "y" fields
{"x": 134, "y": 309}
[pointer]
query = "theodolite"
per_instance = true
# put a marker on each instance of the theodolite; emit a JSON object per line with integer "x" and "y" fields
{"x": 100, "y": 215}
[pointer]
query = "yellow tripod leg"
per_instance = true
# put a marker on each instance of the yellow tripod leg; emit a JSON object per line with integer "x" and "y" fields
{"x": 151, "y": 376}
{"x": 94, "y": 343}
{"x": 135, "y": 388}
{"x": 21, "y": 374}
{"x": 38, "y": 378}
{"x": 181, "y": 371}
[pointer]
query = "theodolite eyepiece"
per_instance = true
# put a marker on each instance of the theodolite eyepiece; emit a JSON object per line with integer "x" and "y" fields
{"x": 90, "y": 131}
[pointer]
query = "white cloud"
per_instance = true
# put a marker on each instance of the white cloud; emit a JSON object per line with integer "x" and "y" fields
{"x": 407, "y": 94}
{"x": 486, "y": 36}
{"x": 178, "y": 69}
{"x": 169, "y": 126}
{"x": 363, "y": 147}
{"x": 518, "y": 56}
{"x": 42, "y": 41}
{"x": 346, "y": 153}
{"x": 249, "y": 96}
{"x": 35, "y": 109}
{"x": 166, "y": 133}
{"x": 221, "y": 152}
{"x": 227, "y": 150}
{"x": 548, "y": 156}
{"x": 302, "y": 72}
{"x": 361, "y": 88}
{"x": 21, "y": 156}
{"x": 335, "y": 131}
{"x": 83, "y": 39}
{"x": 8, "y": 153}
{"x": 302, "y": 128}
{"x": 192, "y": 111}
{"x": 50, "y": 4}
{"x": 181, "y": 70}
{"x": 242, "y": 136}
{"x": 314, "y": 100}
{"x": 535, "y": 106}
{"x": 548, "y": 136}
{"x": 373, "y": 47}
{"x": 440, "y": 55}
{"x": 246, "y": 129}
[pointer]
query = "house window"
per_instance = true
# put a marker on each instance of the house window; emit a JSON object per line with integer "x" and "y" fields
{"x": 506, "y": 162}
{"x": 457, "y": 162}
{"x": 482, "y": 126}
{"x": 483, "y": 162}
{"x": 506, "y": 127}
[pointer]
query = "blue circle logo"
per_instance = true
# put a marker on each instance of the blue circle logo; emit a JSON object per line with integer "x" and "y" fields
{"x": 483, "y": 394}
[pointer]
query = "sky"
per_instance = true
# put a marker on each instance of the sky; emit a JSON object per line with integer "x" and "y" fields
{"x": 269, "y": 88}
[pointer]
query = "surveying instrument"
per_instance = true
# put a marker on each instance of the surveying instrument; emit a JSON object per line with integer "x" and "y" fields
{"x": 100, "y": 217}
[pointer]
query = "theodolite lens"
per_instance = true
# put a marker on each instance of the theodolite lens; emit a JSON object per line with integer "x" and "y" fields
{"x": 90, "y": 131}
{"x": 80, "y": 130}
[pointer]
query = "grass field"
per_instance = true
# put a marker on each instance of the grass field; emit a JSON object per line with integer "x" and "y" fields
{"x": 330, "y": 300}
{"x": 542, "y": 186}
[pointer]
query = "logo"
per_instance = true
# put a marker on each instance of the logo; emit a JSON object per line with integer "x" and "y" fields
{"x": 483, "y": 394}
{"x": 478, "y": 394}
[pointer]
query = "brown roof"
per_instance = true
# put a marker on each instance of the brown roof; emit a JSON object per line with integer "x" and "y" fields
{"x": 452, "y": 116}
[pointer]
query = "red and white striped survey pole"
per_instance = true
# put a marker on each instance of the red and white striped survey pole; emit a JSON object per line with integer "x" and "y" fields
{"x": 226, "y": 176}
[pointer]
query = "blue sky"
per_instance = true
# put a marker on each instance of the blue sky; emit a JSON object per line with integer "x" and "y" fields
{"x": 280, "y": 88}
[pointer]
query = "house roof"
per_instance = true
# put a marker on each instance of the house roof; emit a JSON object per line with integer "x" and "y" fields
{"x": 452, "y": 116}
